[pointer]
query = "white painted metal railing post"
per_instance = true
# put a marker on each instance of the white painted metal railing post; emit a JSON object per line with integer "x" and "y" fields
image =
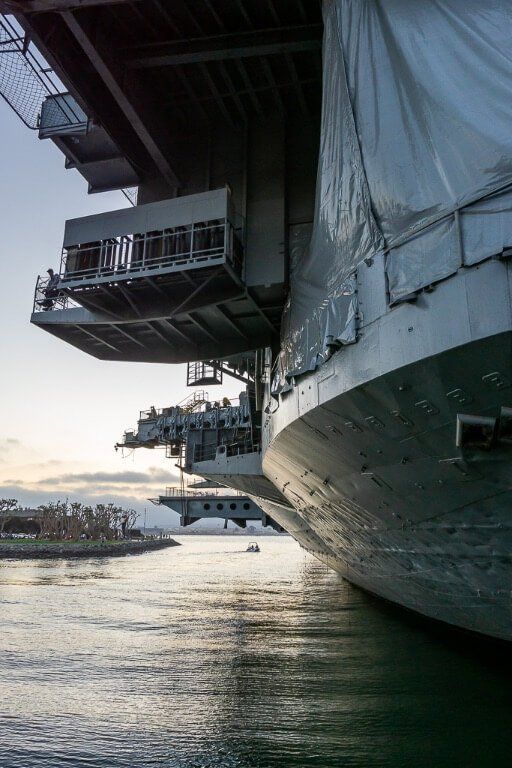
{"x": 35, "y": 293}
{"x": 101, "y": 260}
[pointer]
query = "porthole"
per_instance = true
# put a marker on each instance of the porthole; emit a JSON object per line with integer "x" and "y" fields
{"x": 220, "y": 506}
{"x": 232, "y": 506}
{"x": 247, "y": 506}
{"x": 206, "y": 507}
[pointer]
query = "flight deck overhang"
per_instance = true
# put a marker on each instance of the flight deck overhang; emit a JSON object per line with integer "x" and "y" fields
{"x": 149, "y": 72}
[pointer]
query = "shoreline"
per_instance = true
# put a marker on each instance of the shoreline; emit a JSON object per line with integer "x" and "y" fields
{"x": 30, "y": 550}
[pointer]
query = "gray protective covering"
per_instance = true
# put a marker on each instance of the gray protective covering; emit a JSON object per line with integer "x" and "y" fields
{"x": 416, "y": 128}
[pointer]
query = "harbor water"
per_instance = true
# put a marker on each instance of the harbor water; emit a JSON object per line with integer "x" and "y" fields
{"x": 205, "y": 656}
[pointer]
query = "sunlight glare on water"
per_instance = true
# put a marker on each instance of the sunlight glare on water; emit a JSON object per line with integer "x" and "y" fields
{"x": 205, "y": 656}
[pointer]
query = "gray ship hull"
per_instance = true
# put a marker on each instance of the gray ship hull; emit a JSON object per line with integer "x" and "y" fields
{"x": 339, "y": 239}
{"x": 382, "y": 495}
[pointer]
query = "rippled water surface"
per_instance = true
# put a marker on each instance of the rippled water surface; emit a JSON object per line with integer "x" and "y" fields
{"x": 205, "y": 656}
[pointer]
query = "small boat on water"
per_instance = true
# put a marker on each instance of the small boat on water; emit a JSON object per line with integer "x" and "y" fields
{"x": 253, "y": 547}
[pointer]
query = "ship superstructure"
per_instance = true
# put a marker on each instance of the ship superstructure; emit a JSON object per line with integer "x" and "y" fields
{"x": 324, "y": 212}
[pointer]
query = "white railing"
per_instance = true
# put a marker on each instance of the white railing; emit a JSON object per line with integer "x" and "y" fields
{"x": 46, "y": 298}
{"x": 199, "y": 402}
{"x": 174, "y": 491}
{"x": 127, "y": 255}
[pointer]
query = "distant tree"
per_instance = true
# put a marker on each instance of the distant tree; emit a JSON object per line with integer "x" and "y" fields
{"x": 64, "y": 520}
{"x": 132, "y": 517}
{"x": 53, "y": 519}
{"x": 8, "y": 507}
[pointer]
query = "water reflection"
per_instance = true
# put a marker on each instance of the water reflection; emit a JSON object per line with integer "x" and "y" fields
{"x": 204, "y": 655}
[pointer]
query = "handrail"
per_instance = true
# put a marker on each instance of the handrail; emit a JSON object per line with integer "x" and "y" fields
{"x": 46, "y": 299}
{"x": 173, "y": 491}
{"x": 27, "y": 82}
{"x": 25, "y": 77}
{"x": 201, "y": 402}
{"x": 127, "y": 256}
{"x": 131, "y": 253}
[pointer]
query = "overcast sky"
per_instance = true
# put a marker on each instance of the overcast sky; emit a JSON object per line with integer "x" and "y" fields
{"x": 61, "y": 411}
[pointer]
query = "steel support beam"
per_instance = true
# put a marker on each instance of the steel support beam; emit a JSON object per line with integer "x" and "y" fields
{"x": 179, "y": 332}
{"x": 97, "y": 338}
{"x": 261, "y": 312}
{"x": 156, "y": 288}
{"x": 129, "y": 336}
{"x": 133, "y": 305}
{"x": 202, "y": 326}
{"x": 111, "y": 81}
{"x": 97, "y": 307}
{"x": 229, "y": 372}
{"x": 47, "y": 6}
{"x": 159, "y": 333}
{"x": 230, "y": 319}
{"x": 240, "y": 45}
{"x": 181, "y": 306}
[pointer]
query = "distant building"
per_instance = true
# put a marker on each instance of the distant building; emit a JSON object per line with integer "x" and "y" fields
{"x": 20, "y": 521}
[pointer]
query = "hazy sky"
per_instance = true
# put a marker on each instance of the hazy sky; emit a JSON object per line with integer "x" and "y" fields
{"x": 61, "y": 411}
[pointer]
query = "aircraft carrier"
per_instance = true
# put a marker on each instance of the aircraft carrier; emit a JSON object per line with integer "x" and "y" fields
{"x": 324, "y": 212}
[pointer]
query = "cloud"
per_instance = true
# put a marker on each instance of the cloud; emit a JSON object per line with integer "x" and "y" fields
{"x": 113, "y": 478}
{"x": 8, "y": 443}
{"x": 32, "y": 497}
{"x": 93, "y": 485}
{"x": 11, "y": 447}
{"x": 92, "y": 480}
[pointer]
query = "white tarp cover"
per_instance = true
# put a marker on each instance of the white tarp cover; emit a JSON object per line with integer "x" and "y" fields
{"x": 416, "y": 125}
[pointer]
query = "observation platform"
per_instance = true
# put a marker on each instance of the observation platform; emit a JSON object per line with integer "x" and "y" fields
{"x": 161, "y": 282}
{"x": 194, "y": 505}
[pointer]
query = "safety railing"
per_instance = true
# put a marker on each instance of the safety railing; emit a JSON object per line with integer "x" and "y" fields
{"x": 201, "y": 372}
{"x": 50, "y": 297}
{"x": 129, "y": 255}
{"x": 174, "y": 491}
{"x": 199, "y": 402}
{"x": 189, "y": 404}
{"x": 194, "y": 402}
{"x": 26, "y": 80}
